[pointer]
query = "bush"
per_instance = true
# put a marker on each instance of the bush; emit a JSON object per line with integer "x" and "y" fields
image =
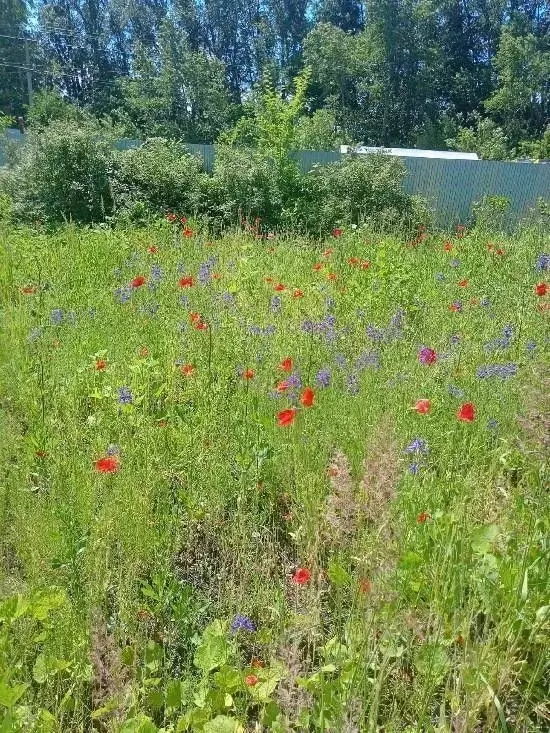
{"x": 157, "y": 177}
{"x": 361, "y": 188}
{"x": 63, "y": 174}
{"x": 244, "y": 182}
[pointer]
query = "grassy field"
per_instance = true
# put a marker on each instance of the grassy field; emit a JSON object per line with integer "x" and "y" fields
{"x": 273, "y": 485}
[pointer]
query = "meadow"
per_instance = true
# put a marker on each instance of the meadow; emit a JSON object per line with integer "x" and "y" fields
{"x": 270, "y": 484}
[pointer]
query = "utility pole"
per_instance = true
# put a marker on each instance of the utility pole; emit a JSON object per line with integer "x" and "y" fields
{"x": 29, "y": 72}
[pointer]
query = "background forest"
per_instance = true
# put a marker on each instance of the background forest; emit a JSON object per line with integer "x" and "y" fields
{"x": 466, "y": 74}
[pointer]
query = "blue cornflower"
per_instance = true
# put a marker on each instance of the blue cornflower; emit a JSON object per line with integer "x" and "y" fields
{"x": 368, "y": 359}
{"x": 181, "y": 268}
{"x": 455, "y": 391}
{"x": 375, "y": 333}
{"x": 242, "y": 623}
{"x": 454, "y": 340}
{"x": 125, "y": 396}
{"x": 228, "y": 299}
{"x": 492, "y": 424}
{"x": 184, "y": 301}
{"x": 113, "y": 450}
{"x": 440, "y": 276}
{"x": 123, "y": 294}
{"x": 503, "y": 371}
{"x": 455, "y": 262}
{"x": 276, "y": 304}
{"x": 485, "y": 302}
{"x": 294, "y": 380}
{"x": 56, "y": 316}
{"x": 308, "y": 326}
{"x": 456, "y": 306}
{"x": 203, "y": 275}
{"x": 352, "y": 383}
{"x": 156, "y": 273}
{"x": 418, "y": 445}
{"x": 340, "y": 360}
{"x": 543, "y": 262}
{"x": 414, "y": 468}
{"x": 322, "y": 378}
{"x": 36, "y": 333}
{"x": 531, "y": 346}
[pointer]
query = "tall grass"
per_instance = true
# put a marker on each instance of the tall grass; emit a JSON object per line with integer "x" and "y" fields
{"x": 366, "y": 567}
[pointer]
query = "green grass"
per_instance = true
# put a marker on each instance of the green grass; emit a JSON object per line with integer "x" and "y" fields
{"x": 426, "y": 607}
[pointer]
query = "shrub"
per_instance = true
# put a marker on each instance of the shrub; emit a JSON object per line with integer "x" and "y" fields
{"x": 63, "y": 173}
{"x": 359, "y": 189}
{"x": 159, "y": 176}
{"x": 244, "y": 182}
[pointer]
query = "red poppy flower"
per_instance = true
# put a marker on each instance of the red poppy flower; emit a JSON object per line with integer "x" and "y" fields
{"x": 280, "y": 287}
{"x": 257, "y": 663}
{"x": 541, "y": 289}
{"x": 187, "y": 232}
{"x": 448, "y": 246}
{"x": 337, "y": 232}
{"x": 201, "y": 325}
{"x": 268, "y": 279}
{"x": 463, "y": 284}
{"x": 301, "y": 576}
{"x": 328, "y": 252}
{"x": 332, "y": 276}
{"x": 298, "y": 293}
{"x": 422, "y": 406}
{"x": 249, "y": 374}
{"x": 144, "y": 352}
{"x": 161, "y": 423}
{"x": 466, "y": 412}
{"x": 365, "y": 586}
{"x": 186, "y": 282}
{"x": 41, "y": 454}
{"x": 282, "y": 386}
{"x": 308, "y": 397}
{"x": 353, "y": 261}
{"x": 455, "y": 307}
{"x": 251, "y": 679}
{"x": 318, "y": 266}
{"x": 138, "y": 281}
{"x": 194, "y": 317}
{"x": 28, "y": 290}
{"x": 365, "y": 265}
{"x": 152, "y": 250}
{"x": 216, "y": 276}
{"x": 286, "y": 364}
{"x": 422, "y": 517}
{"x": 100, "y": 364}
{"x": 187, "y": 370}
{"x": 500, "y": 251}
{"x": 107, "y": 464}
{"x": 460, "y": 229}
{"x": 286, "y": 417}
{"x": 171, "y": 217}
{"x": 183, "y": 220}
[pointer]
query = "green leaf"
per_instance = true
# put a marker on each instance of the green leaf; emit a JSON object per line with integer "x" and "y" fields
{"x": 223, "y": 724}
{"x": 46, "y": 601}
{"x": 410, "y": 561}
{"x": 213, "y": 651}
{"x": 483, "y": 538}
{"x": 139, "y": 724}
{"x": 153, "y": 655}
{"x": 40, "y": 669}
{"x": 13, "y": 608}
{"x": 431, "y": 661}
{"x": 173, "y": 694}
{"x": 338, "y": 575}
{"x": 228, "y": 679}
{"x": 10, "y": 695}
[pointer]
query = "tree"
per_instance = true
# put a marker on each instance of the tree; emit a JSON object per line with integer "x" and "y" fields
{"x": 521, "y": 102}
{"x": 344, "y": 14}
{"x": 13, "y": 91}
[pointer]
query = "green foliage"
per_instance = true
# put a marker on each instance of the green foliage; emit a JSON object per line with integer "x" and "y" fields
{"x": 362, "y": 188}
{"x": 485, "y": 138}
{"x": 49, "y": 106}
{"x": 490, "y": 213}
{"x": 244, "y": 182}
{"x": 63, "y": 173}
{"x": 157, "y": 177}
{"x": 317, "y": 132}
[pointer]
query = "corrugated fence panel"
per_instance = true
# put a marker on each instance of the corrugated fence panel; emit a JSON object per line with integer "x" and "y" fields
{"x": 451, "y": 186}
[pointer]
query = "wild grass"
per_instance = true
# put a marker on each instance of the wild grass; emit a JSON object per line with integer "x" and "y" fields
{"x": 366, "y": 567}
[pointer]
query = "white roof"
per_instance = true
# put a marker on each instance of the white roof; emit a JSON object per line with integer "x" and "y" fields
{"x": 410, "y": 152}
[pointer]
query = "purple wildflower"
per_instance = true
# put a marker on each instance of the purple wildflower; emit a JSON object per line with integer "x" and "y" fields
{"x": 503, "y": 371}
{"x": 113, "y": 450}
{"x": 352, "y": 383}
{"x": 242, "y": 623}
{"x": 543, "y": 262}
{"x": 276, "y": 304}
{"x": 125, "y": 396}
{"x": 418, "y": 445}
{"x": 322, "y": 378}
{"x": 56, "y": 316}
{"x": 368, "y": 359}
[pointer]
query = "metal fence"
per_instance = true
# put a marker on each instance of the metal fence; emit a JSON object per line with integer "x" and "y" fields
{"x": 450, "y": 186}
